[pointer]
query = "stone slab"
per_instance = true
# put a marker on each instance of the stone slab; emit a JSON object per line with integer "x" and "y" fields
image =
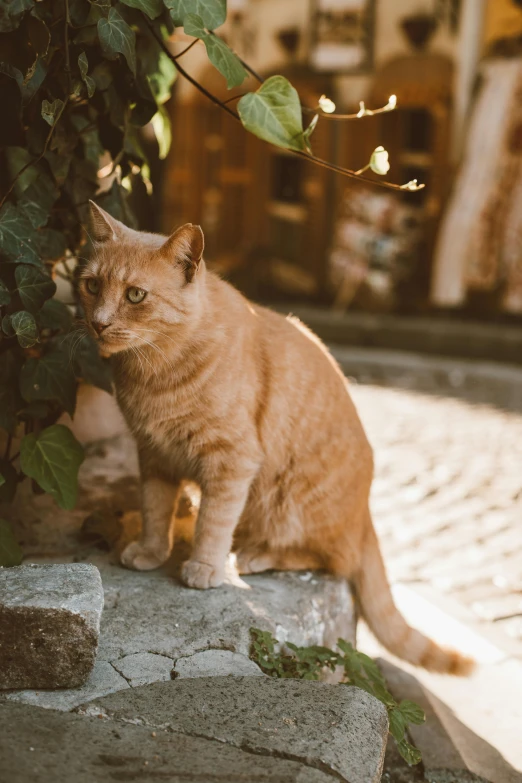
{"x": 104, "y": 679}
{"x": 49, "y": 624}
{"x": 50, "y": 747}
{"x": 216, "y": 663}
{"x": 338, "y": 729}
{"x": 143, "y": 668}
{"x": 153, "y": 612}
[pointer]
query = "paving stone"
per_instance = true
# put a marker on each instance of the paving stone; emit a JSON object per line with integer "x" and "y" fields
{"x": 153, "y": 612}
{"x": 50, "y": 747}
{"x": 216, "y": 663}
{"x": 104, "y": 679}
{"x": 49, "y": 625}
{"x": 144, "y": 668}
{"x": 338, "y": 729}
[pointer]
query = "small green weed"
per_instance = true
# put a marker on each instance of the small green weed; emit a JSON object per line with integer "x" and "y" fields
{"x": 308, "y": 663}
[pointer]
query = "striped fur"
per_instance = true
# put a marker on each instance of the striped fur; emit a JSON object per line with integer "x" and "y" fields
{"x": 251, "y": 407}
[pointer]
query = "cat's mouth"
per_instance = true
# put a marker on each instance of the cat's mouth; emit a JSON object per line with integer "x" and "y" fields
{"x": 111, "y": 343}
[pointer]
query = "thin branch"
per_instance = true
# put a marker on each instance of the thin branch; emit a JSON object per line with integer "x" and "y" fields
{"x": 307, "y": 156}
{"x": 186, "y": 49}
{"x": 66, "y": 45}
{"x": 361, "y": 113}
{"x": 38, "y": 157}
{"x": 235, "y": 98}
{"x": 188, "y": 77}
{"x": 245, "y": 65}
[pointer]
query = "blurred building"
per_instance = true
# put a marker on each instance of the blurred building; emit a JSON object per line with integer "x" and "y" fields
{"x": 281, "y": 226}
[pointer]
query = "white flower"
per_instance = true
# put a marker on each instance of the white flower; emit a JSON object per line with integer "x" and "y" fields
{"x": 326, "y": 105}
{"x": 412, "y": 185}
{"x": 392, "y": 103}
{"x": 362, "y": 109}
{"x": 379, "y": 162}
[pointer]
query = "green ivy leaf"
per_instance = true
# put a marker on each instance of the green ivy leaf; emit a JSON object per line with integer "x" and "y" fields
{"x": 161, "y": 124}
{"x": 55, "y": 315}
{"x": 116, "y": 37}
{"x": 212, "y": 12}
{"x": 409, "y": 753}
{"x": 5, "y": 296}
{"x": 273, "y": 113}
{"x": 83, "y": 65}
{"x": 10, "y": 552}
{"x": 52, "y": 244}
{"x": 51, "y": 111}
{"x": 11, "y": 14}
{"x": 53, "y": 459}
{"x": 152, "y": 8}
{"x": 38, "y": 199}
{"x": 161, "y": 77}
{"x": 222, "y": 58}
{"x": 19, "y": 158}
{"x": 397, "y": 724}
{"x": 88, "y": 364}
{"x": 34, "y": 287}
{"x": 18, "y": 239}
{"x": 24, "y": 326}
{"x": 50, "y": 377}
{"x": 411, "y": 712}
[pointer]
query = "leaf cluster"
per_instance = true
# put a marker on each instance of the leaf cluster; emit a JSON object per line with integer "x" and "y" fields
{"x": 310, "y": 663}
{"x": 78, "y": 78}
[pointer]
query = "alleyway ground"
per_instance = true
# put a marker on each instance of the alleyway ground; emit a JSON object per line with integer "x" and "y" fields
{"x": 447, "y": 504}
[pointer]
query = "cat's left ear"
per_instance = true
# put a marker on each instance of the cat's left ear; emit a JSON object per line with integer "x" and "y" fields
{"x": 186, "y": 246}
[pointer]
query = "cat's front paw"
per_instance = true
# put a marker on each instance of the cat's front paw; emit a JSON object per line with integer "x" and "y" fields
{"x": 201, "y": 575}
{"x": 139, "y": 558}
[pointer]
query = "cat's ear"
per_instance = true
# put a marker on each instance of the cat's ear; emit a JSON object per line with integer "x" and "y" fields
{"x": 185, "y": 246}
{"x": 104, "y": 227}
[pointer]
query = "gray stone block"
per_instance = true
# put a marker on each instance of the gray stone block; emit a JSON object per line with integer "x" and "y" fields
{"x": 104, "y": 679}
{"x": 335, "y": 728}
{"x": 49, "y": 625}
{"x": 52, "y": 747}
{"x": 216, "y": 663}
{"x": 143, "y": 668}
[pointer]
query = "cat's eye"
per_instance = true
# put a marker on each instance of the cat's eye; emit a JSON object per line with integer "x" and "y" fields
{"x": 136, "y": 295}
{"x": 92, "y": 285}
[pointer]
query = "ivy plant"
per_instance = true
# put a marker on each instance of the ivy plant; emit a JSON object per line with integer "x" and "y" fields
{"x": 309, "y": 663}
{"x": 78, "y": 80}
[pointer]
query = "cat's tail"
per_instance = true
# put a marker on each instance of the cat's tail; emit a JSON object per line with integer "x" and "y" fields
{"x": 387, "y": 623}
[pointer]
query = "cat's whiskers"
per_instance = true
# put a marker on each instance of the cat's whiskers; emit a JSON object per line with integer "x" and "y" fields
{"x": 158, "y": 349}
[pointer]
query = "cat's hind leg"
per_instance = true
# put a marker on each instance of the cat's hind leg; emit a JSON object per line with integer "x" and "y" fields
{"x": 254, "y": 560}
{"x": 153, "y": 548}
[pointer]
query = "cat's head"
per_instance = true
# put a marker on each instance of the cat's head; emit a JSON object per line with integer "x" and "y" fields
{"x": 136, "y": 287}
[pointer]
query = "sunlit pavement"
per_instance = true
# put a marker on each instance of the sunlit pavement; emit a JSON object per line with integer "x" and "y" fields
{"x": 447, "y": 504}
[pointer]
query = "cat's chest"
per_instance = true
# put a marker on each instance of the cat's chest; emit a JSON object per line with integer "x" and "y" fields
{"x": 161, "y": 423}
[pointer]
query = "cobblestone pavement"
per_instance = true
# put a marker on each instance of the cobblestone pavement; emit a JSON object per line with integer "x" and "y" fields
{"x": 447, "y": 497}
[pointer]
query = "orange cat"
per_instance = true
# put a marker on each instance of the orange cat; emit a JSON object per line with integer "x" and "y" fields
{"x": 251, "y": 407}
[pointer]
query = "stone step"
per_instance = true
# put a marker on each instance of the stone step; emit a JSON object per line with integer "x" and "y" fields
{"x": 49, "y": 624}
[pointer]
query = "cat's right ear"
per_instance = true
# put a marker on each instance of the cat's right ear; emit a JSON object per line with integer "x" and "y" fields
{"x": 104, "y": 227}
{"x": 186, "y": 246}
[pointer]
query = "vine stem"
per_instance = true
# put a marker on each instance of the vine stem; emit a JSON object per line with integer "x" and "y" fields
{"x": 8, "y": 446}
{"x": 186, "y": 49}
{"x": 38, "y": 157}
{"x": 66, "y": 45}
{"x": 306, "y": 155}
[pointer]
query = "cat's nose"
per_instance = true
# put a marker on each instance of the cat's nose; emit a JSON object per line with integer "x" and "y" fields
{"x": 98, "y": 326}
